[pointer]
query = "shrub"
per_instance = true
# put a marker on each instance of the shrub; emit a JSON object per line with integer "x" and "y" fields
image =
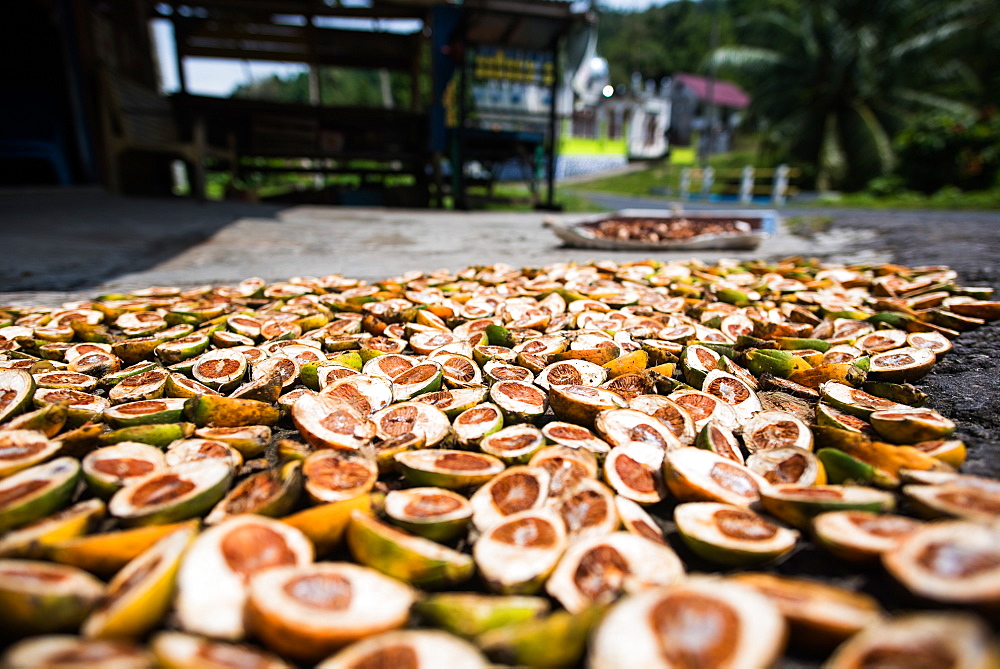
{"x": 942, "y": 150}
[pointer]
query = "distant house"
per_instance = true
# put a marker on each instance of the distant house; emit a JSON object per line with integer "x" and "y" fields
{"x": 690, "y": 96}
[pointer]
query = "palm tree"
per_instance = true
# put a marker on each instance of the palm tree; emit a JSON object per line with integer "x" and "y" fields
{"x": 834, "y": 81}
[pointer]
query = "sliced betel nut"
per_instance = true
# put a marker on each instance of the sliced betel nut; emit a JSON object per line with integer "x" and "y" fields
{"x": 911, "y": 426}
{"x": 901, "y": 365}
{"x": 956, "y": 562}
{"x": 733, "y": 391}
{"x": 776, "y": 429}
{"x": 599, "y": 569}
{"x": 20, "y": 449}
{"x": 788, "y": 465}
{"x": 473, "y": 424}
{"x": 389, "y": 366}
{"x": 212, "y": 580}
{"x": 326, "y": 422}
{"x": 446, "y": 468}
{"x": 178, "y": 385}
{"x": 177, "y": 350}
{"x": 41, "y": 597}
{"x": 434, "y": 513}
{"x": 494, "y": 371}
{"x": 17, "y": 387}
{"x": 697, "y": 361}
{"x": 139, "y": 595}
{"x": 37, "y": 491}
{"x": 307, "y": 612}
{"x": 413, "y": 417}
{"x": 520, "y": 402}
{"x": 332, "y": 476}
{"x": 580, "y": 405}
{"x": 949, "y": 451}
{"x": 148, "y": 385}
{"x": 720, "y": 440}
{"x": 955, "y": 500}
{"x": 634, "y": 470}
{"x": 272, "y": 492}
{"x": 574, "y": 436}
{"x": 178, "y": 493}
{"x": 694, "y": 623}
{"x": 819, "y": 615}
{"x": 222, "y": 369}
{"x": 798, "y": 505}
{"x": 676, "y": 418}
{"x": 566, "y": 466}
{"x": 637, "y": 521}
{"x": 49, "y": 420}
{"x": 107, "y": 470}
{"x": 511, "y": 491}
{"x": 416, "y": 560}
{"x": 425, "y": 377}
{"x": 249, "y": 440}
{"x": 177, "y": 650}
{"x": 514, "y": 444}
{"x": 460, "y": 371}
{"x": 827, "y": 416}
{"x": 732, "y": 535}
{"x": 932, "y": 341}
{"x": 197, "y": 450}
{"x": 412, "y": 649}
{"x": 63, "y": 651}
{"x": 454, "y": 402}
{"x": 95, "y": 363}
{"x": 516, "y": 555}
{"x": 32, "y": 541}
{"x": 924, "y": 639}
{"x": 63, "y": 379}
{"x": 703, "y": 407}
{"x": 80, "y": 407}
{"x": 860, "y": 536}
{"x": 587, "y": 509}
{"x": 628, "y": 426}
{"x": 145, "y": 412}
{"x": 696, "y": 475}
{"x": 469, "y": 614}
{"x": 854, "y": 401}
{"x": 365, "y": 393}
{"x": 572, "y": 373}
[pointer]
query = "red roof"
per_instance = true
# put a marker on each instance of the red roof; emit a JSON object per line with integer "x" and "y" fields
{"x": 724, "y": 93}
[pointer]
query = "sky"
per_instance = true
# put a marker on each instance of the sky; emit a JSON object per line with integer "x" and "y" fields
{"x": 206, "y": 76}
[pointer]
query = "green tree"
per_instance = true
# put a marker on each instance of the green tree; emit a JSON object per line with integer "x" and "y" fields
{"x": 833, "y": 82}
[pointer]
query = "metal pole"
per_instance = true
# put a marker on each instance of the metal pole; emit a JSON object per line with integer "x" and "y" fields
{"x": 550, "y": 175}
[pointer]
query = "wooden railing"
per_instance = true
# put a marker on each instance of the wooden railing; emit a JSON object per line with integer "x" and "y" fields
{"x": 745, "y": 184}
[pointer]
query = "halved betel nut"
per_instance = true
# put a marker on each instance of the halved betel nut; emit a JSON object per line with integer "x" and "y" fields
{"x": 819, "y": 615}
{"x": 81, "y": 407}
{"x": 901, "y": 365}
{"x": 32, "y": 541}
{"x": 955, "y": 500}
{"x": 516, "y": 555}
{"x": 494, "y": 371}
{"x": 460, "y": 371}
{"x": 776, "y": 429}
{"x": 179, "y": 385}
{"x": 177, "y": 350}
{"x": 307, "y": 612}
{"x": 389, "y": 366}
{"x": 854, "y": 401}
{"x": 409, "y": 649}
{"x": 37, "y": 491}
{"x": 145, "y": 412}
{"x": 932, "y": 639}
{"x": 177, "y": 650}
{"x": 62, "y": 651}
{"x": 514, "y": 444}
{"x": 212, "y": 580}
{"x": 63, "y": 379}
{"x": 697, "y": 622}
{"x": 574, "y": 436}
{"x": 49, "y": 420}
{"x": 198, "y": 450}
{"x": 949, "y": 451}
{"x": 139, "y": 595}
{"x": 676, "y": 418}
{"x": 469, "y": 614}
{"x": 20, "y": 449}
{"x": 472, "y": 425}
{"x": 571, "y": 372}
{"x": 703, "y": 407}
{"x": 221, "y": 370}
{"x": 272, "y": 492}
{"x": 697, "y": 361}
{"x": 797, "y": 505}
{"x": 733, "y": 391}
{"x": 107, "y": 470}
{"x": 910, "y": 426}
{"x": 511, "y": 491}
{"x": 566, "y": 466}
{"x": 587, "y": 509}
{"x": 332, "y": 476}
{"x": 599, "y": 569}
{"x": 327, "y": 422}
{"x": 626, "y": 426}
{"x": 788, "y": 465}
{"x": 249, "y": 440}
{"x": 425, "y": 377}
{"x": 435, "y": 513}
{"x": 634, "y": 470}
{"x": 95, "y": 363}
{"x": 933, "y": 341}
{"x": 520, "y": 402}
{"x": 365, "y": 393}
{"x": 447, "y": 468}
{"x": 419, "y": 418}
{"x": 286, "y": 368}
{"x": 416, "y": 560}
{"x": 732, "y": 535}
{"x": 580, "y": 404}
{"x": 148, "y": 385}
{"x": 41, "y": 597}
{"x": 720, "y": 440}
{"x": 881, "y": 341}
{"x": 178, "y": 493}
{"x": 696, "y": 475}
{"x": 455, "y": 401}
{"x": 637, "y": 521}
{"x": 860, "y": 536}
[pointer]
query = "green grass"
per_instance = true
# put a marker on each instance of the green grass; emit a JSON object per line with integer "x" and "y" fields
{"x": 946, "y": 198}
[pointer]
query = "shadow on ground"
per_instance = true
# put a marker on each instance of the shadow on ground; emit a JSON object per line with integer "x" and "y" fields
{"x": 75, "y": 239}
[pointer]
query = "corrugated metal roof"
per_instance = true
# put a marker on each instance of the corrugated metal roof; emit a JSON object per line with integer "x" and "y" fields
{"x": 724, "y": 93}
